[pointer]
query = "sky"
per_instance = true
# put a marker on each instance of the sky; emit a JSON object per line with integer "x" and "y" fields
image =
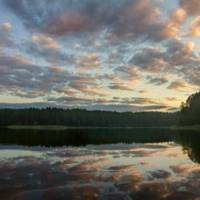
{"x": 116, "y": 55}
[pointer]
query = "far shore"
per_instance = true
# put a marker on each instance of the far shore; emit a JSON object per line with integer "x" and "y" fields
{"x": 57, "y": 127}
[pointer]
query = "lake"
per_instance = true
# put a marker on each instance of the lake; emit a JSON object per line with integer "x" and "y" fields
{"x": 100, "y": 164}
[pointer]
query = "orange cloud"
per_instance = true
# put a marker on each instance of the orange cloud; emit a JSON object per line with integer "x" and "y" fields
{"x": 120, "y": 86}
{"x": 180, "y": 85}
{"x": 6, "y": 26}
{"x": 46, "y": 42}
{"x": 194, "y": 28}
{"x": 88, "y": 61}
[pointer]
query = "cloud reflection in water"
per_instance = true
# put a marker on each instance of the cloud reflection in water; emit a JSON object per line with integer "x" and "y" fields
{"x": 109, "y": 171}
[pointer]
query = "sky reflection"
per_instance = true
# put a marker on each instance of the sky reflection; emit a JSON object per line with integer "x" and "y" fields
{"x": 134, "y": 171}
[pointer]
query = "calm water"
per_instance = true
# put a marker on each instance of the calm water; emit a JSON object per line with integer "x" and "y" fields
{"x": 100, "y": 164}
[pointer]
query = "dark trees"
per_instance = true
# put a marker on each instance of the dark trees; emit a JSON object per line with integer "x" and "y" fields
{"x": 190, "y": 110}
{"x": 84, "y": 118}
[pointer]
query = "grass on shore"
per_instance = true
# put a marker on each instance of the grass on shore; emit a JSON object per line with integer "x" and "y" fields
{"x": 45, "y": 127}
{"x": 193, "y": 127}
{"x": 56, "y": 127}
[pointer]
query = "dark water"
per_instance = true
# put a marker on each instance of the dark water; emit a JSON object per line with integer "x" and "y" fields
{"x": 100, "y": 164}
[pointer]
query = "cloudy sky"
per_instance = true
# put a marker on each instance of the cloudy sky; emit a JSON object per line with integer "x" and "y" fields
{"x": 123, "y": 55}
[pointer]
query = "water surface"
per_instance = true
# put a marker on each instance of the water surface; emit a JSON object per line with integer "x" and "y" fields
{"x": 99, "y": 164}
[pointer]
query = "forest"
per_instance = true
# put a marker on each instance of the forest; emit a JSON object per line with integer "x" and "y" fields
{"x": 84, "y": 118}
{"x": 189, "y": 114}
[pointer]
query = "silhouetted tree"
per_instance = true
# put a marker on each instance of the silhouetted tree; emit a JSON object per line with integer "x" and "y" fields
{"x": 190, "y": 110}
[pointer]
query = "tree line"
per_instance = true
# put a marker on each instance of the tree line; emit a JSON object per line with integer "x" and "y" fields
{"x": 189, "y": 114}
{"x": 84, "y": 118}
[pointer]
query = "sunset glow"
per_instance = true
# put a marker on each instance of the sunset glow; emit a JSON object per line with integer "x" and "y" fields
{"x": 118, "y": 55}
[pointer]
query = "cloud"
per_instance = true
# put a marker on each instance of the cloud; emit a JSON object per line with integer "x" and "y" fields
{"x": 177, "y": 85}
{"x": 177, "y": 59}
{"x": 177, "y": 18}
{"x": 157, "y": 61}
{"x": 18, "y": 76}
{"x": 143, "y": 91}
{"x": 128, "y": 73}
{"x": 55, "y": 77}
{"x": 172, "y": 99}
{"x": 94, "y": 102}
{"x": 107, "y": 77}
{"x": 83, "y": 104}
{"x": 88, "y": 62}
{"x": 71, "y": 100}
{"x": 46, "y": 48}
{"x": 47, "y": 43}
{"x": 17, "y": 64}
{"x": 30, "y": 80}
{"x": 140, "y": 101}
{"x": 120, "y": 86}
{"x": 149, "y": 59}
{"x": 193, "y": 77}
{"x": 191, "y": 7}
{"x": 66, "y": 91}
{"x": 86, "y": 85}
{"x": 157, "y": 81}
{"x": 168, "y": 28}
{"x": 27, "y": 105}
{"x": 6, "y": 40}
{"x": 173, "y": 109}
{"x": 125, "y": 19}
{"x": 180, "y": 85}
{"x": 194, "y": 28}
{"x": 6, "y": 26}
{"x": 181, "y": 58}
{"x": 116, "y": 57}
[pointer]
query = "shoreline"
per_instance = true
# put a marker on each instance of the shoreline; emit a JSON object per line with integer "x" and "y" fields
{"x": 45, "y": 127}
{"x": 57, "y": 127}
